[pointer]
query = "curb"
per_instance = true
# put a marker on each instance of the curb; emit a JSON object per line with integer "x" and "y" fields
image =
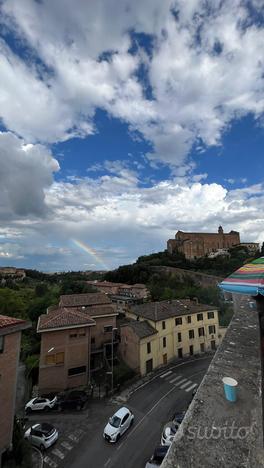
{"x": 126, "y": 394}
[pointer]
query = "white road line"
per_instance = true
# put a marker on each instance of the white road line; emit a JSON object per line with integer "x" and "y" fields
{"x": 66, "y": 445}
{"x": 166, "y": 373}
{"x": 58, "y": 453}
{"x": 119, "y": 446}
{"x": 40, "y": 454}
{"x": 107, "y": 462}
{"x": 176, "y": 378}
{"x": 180, "y": 382}
{"x": 186, "y": 384}
{"x": 191, "y": 387}
{"x": 50, "y": 462}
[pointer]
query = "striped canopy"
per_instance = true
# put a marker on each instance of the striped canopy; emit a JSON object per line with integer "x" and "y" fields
{"x": 249, "y": 279}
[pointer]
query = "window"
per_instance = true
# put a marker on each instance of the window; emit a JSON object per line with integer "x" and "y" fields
{"x": 93, "y": 340}
{"x": 125, "y": 418}
{"x": 149, "y": 347}
{"x": 163, "y": 325}
{"x": 201, "y": 331}
{"x": 189, "y": 319}
{"x": 202, "y": 347}
{"x": 191, "y": 334}
{"x": 2, "y": 342}
{"x": 191, "y": 350}
{"x": 210, "y": 315}
{"x": 180, "y": 352}
{"x": 108, "y": 328}
{"x": 164, "y": 342}
{"x": 199, "y": 317}
{"x": 82, "y": 334}
{"x": 179, "y": 337}
{"x": 73, "y": 335}
{"x": 211, "y": 329}
{"x": 57, "y": 358}
{"x": 178, "y": 321}
{"x": 76, "y": 370}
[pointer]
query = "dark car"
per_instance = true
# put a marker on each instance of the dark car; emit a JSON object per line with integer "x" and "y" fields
{"x": 158, "y": 456}
{"x": 178, "y": 416}
{"x": 75, "y": 399}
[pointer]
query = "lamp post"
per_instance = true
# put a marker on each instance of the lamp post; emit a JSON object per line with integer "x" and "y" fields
{"x": 112, "y": 376}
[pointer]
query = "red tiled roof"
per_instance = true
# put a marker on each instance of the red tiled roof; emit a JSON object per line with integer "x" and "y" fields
{"x": 88, "y": 299}
{"x": 63, "y": 317}
{"x": 6, "y": 321}
{"x": 103, "y": 310}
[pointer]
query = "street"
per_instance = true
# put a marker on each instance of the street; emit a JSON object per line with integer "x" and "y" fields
{"x": 153, "y": 406}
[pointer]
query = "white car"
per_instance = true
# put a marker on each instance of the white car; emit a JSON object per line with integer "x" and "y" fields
{"x": 41, "y": 435}
{"x": 118, "y": 424}
{"x": 169, "y": 432}
{"x": 40, "y": 403}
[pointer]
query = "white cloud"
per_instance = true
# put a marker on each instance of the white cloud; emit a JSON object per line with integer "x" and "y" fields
{"x": 204, "y": 70}
{"x": 26, "y": 171}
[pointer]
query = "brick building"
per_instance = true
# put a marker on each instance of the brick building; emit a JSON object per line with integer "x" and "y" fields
{"x": 198, "y": 244}
{"x": 10, "y": 337}
{"x": 79, "y": 334}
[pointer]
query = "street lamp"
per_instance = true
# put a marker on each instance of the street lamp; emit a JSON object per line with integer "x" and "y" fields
{"x": 112, "y": 377}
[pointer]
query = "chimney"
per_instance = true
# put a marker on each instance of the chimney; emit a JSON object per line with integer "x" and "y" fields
{"x": 195, "y": 299}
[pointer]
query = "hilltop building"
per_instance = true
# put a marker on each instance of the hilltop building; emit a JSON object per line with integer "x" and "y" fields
{"x": 198, "y": 244}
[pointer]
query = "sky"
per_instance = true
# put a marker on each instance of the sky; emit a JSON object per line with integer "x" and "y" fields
{"x": 123, "y": 122}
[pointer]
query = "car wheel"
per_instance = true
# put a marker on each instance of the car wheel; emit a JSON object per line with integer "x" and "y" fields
{"x": 41, "y": 447}
{"x": 46, "y": 408}
{"x": 131, "y": 422}
{"x": 117, "y": 437}
{"x": 59, "y": 408}
{"x": 28, "y": 410}
{"x": 78, "y": 407}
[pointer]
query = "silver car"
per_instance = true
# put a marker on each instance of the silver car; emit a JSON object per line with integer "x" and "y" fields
{"x": 118, "y": 424}
{"x": 41, "y": 435}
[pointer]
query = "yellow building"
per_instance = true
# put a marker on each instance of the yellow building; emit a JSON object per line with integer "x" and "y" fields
{"x": 157, "y": 332}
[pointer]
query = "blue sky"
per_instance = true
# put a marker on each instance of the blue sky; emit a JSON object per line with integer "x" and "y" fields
{"x": 115, "y": 134}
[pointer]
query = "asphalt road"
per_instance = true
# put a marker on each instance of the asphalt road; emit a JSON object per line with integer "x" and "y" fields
{"x": 153, "y": 406}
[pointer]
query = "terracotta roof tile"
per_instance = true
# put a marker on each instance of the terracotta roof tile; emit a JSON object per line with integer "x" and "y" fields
{"x": 64, "y": 317}
{"x": 6, "y": 321}
{"x": 165, "y": 309}
{"x": 141, "y": 328}
{"x": 88, "y": 299}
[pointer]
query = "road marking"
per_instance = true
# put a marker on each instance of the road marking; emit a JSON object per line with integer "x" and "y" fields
{"x": 120, "y": 445}
{"x": 73, "y": 438}
{"x": 189, "y": 382}
{"x": 58, "y": 453}
{"x": 107, "y": 462}
{"x": 176, "y": 378}
{"x": 191, "y": 387}
{"x": 66, "y": 445}
{"x": 40, "y": 454}
{"x": 180, "y": 382}
{"x": 50, "y": 462}
{"x": 166, "y": 373}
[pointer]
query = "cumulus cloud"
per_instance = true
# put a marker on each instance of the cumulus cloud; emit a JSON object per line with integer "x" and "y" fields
{"x": 26, "y": 171}
{"x": 202, "y": 68}
{"x": 138, "y": 220}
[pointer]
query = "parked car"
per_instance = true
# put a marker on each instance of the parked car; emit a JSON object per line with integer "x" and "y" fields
{"x": 76, "y": 399}
{"x": 169, "y": 432}
{"x": 157, "y": 457}
{"x": 42, "y": 435}
{"x": 178, "y": 417}
{"x": 118, "y": 424}
{"x": 41, "y": 404}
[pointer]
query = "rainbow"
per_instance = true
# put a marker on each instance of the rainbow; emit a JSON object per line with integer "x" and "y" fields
{"x": 91, "y": 252}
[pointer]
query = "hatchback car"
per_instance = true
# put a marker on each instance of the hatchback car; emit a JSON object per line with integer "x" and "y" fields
{"x": 118, "y": 424}
{"x": 157, "y": 457}
{"x": 42, "y": 435}
{"x": 75, "y": 399}
{"x": 40, "y": 404}
{"x": 169, "y": 432}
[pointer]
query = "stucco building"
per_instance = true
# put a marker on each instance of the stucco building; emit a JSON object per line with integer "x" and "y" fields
{"x": 157, "y": 332}
{"x": 137, "y": 291}
{"x": 10, "y": 337}
{"x": 75, "y": 340}
{"x": 198, "y": 244}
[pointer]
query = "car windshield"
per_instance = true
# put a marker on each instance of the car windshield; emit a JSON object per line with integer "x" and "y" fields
{"x": 115, "y": 421}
